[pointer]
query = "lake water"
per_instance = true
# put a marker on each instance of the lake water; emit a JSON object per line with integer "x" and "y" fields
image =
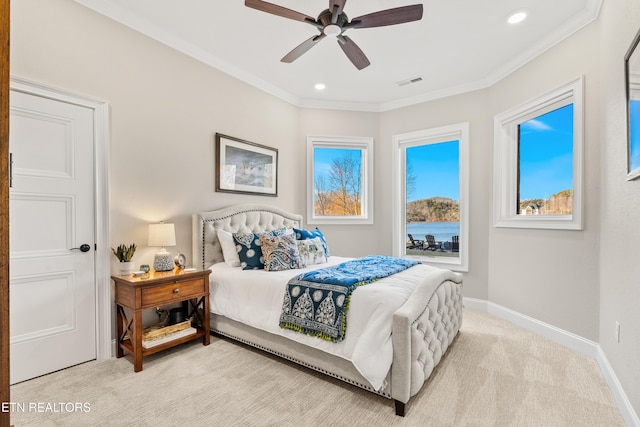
{"x": 442, "y": 231}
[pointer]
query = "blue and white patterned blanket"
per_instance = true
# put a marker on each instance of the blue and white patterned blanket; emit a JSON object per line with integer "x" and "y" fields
{"x": 316, "y": 302}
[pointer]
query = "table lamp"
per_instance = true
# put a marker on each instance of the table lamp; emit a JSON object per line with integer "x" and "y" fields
{"x": 162, "y": 235}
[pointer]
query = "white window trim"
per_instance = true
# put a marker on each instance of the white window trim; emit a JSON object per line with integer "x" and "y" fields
{"x": 506, "y": 159}
{"x": 400, "y": 142}
{"x": 634, "y": 94}
{"x": 360, "y": 143}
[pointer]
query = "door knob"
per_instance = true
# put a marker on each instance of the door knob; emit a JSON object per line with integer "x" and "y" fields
{"x": 83, "y": 248}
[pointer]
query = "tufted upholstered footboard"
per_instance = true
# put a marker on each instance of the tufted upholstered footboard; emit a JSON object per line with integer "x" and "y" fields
{"x": 423, "y": 328}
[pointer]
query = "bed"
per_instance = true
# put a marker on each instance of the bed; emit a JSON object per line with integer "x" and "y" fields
{"x": 421, "y": 327}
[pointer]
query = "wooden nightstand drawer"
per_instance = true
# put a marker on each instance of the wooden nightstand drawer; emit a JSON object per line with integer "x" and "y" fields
{"x": 172, "y": 292}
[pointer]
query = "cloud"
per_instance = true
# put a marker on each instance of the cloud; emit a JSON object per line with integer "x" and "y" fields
{"x": 536, "y": 125}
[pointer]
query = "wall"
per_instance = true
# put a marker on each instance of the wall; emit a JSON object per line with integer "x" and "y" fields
{"x": 165, "y": 110}
{"x": 468, "y": 107}
{"x": 620, "y": 230}
{"x": 552, "y": 275}
{"x": 346, "y": 240}
{"x": 535, "y": 272}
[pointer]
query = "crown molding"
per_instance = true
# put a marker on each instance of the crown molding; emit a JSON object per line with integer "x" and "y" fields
{"x": 157, "y": 33}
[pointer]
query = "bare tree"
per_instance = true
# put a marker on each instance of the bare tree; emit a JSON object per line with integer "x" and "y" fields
{"x": 410, "y": 181}
{"x": 322, "y": 197}
{"x": 354, "y": 175}
{"x": 345, "y": 179}
{"x": 340, "y": 191}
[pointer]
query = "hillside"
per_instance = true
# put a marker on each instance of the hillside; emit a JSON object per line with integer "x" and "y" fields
{"x": 434, "y": 209}
{"x": 559, "y": 203}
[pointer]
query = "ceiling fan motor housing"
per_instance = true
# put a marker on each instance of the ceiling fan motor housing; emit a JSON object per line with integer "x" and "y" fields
{"x": 325, "y": 18}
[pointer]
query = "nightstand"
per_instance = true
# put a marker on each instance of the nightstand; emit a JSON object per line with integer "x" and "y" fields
{"x": 135, "y": 294}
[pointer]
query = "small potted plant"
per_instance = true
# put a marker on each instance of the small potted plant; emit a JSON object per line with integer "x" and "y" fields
{"x": 124, "y": 254}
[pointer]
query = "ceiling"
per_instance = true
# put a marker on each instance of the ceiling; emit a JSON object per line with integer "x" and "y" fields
{"x": 458, "y": 46}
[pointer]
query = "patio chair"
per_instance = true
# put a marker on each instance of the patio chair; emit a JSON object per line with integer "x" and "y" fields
{"x": 414, "y": 244}
{"x": 432, "y": 245}
{"x": 455, "y": 243}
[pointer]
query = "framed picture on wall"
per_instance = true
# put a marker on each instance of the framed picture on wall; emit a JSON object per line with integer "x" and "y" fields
{"x": 245, "y": 167}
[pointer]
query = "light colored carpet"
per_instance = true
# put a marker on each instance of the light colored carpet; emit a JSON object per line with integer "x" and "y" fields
{"x": 495, "y": 374}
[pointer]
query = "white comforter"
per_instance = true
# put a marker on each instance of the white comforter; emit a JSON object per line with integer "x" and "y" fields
{"x": 254, "y": 297}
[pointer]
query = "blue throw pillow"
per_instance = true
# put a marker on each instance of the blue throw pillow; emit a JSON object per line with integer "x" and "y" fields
{"x": 249, "y": 248}
{"x": 310, "y": 234}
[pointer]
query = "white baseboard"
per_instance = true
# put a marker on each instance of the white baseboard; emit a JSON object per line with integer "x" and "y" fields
{"x": 629, "y": 415}
{"x": 574, "y": 342}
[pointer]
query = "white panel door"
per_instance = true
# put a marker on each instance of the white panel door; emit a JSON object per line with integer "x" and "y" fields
{"x": 51, "y": 212}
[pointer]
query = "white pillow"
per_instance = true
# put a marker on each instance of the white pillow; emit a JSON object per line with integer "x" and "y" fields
{"x": 311, "y": 252}
{"x": 229, "y": 251}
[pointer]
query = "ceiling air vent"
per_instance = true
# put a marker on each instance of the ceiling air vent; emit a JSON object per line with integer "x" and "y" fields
{"x": 409, "y": 81}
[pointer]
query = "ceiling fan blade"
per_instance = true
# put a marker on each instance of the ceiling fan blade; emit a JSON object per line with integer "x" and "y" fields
{"x": 302, "y": 48}
{"x": 398, "y": 15}
{"x": 353, "y": 52}
{"x": 274, "y": 9}
{"x": 336, "y": 7}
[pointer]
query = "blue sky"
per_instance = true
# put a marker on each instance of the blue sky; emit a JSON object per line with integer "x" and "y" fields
{"x": 634, "y": 135}
{"x": 323, "y": 158}
{"x": 546, "y": 160}
{"x": 546, "y": 154}
{"x": 436, "y": 169}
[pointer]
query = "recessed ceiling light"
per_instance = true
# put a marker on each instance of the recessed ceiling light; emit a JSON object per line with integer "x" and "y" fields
{"x": 320, "y": 86}
{"x": 517, "y": 17}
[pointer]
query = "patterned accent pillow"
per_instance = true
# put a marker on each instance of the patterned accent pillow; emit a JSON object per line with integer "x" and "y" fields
{"x": 281, "y": 232}
{"x": 248, "y": 247}
{"x": 310, "y": 234}
{"x": 249, "y": 251}
{"x": 311, "y": 252}
{"x": 280, "y": 252}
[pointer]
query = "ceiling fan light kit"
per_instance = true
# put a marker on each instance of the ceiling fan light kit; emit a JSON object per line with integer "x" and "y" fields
{"x": 333, "y": 22}
{"x": 332, "y": 30}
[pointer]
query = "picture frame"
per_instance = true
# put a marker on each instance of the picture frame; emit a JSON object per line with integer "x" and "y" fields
{"x": 245, "y": 167}
{"x": 632, "y": 80}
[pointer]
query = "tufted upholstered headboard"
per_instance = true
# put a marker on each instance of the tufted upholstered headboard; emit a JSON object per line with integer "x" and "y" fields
{"x": 244, "y": 218}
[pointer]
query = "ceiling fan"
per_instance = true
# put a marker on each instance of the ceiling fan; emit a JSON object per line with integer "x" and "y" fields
{"x": 334, "y": 22}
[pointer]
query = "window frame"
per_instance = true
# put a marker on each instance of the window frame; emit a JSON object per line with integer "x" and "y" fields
{"x": 400, "y": 142}
{"x": 505, "y": 173}
{"x": 365, "y": 144}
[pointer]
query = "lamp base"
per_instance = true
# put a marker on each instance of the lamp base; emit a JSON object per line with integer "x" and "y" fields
{"x": 163, "y": 261}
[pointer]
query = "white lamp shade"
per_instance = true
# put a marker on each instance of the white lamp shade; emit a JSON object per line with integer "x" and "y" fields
{"x": 162, "y": 235}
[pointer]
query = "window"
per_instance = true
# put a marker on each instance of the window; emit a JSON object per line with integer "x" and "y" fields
{"x": 340, "y": 178}
{"x": 545, "y": 164}
{"x": 431, "y": 170}
{"x": 538, "y": 162}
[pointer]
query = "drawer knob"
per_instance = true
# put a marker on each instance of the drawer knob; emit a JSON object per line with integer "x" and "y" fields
{"x": 175, "y": 291}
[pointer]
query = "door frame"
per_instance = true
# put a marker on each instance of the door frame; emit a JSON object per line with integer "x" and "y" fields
{"x": 102, "y": 279}
{"x": 4, "y": 210}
